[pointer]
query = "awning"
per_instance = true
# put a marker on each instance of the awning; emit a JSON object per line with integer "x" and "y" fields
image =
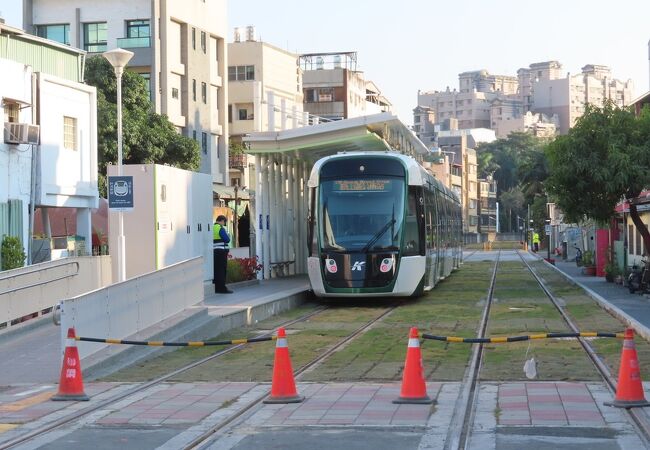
{"x": 228, "y": 192}
{"x": 21, "y": 103}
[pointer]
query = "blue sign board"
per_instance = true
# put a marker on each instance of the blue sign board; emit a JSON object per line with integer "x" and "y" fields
{"x": 120, "y": 193}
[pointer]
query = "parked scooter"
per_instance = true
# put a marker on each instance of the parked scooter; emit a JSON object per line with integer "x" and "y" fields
{"x": 578, "y": 256}
{"x": 639, "y": 278}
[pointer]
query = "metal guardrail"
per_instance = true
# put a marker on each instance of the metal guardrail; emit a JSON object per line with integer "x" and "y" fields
{"x": 63, "y": 277}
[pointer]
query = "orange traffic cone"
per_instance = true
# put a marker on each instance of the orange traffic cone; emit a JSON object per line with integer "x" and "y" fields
{"x": 71, "y": 386}
{"x": 283, "y": 387}
{"x": 414, "y": 388}
{"x": 629, "y": 390}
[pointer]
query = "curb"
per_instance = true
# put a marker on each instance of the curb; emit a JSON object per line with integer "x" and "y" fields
{"x": 621, "y": 315}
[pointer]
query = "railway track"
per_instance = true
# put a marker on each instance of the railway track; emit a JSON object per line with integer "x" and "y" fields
{"x": 241, "y": 415}
{"x": 71, "y": 419}
{"x": 460, "y": 430}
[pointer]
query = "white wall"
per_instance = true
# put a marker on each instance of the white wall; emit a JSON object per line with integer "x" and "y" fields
{"x": 68, "y": 178}
{"x": 156, "y": 230}
{"x": 15, "y": 160}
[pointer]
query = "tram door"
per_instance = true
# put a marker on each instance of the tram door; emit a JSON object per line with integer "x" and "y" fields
{"x": 432, "y": 236}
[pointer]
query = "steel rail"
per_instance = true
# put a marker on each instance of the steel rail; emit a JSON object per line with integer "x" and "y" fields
{"x": 200, "y": 441}
{"x": 141, "y": 387}
{"x": 638, "y": 418}
{"x": 460, "y": 426}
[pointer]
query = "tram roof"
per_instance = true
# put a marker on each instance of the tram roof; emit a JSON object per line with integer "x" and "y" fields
{"x": 377, "y": 132}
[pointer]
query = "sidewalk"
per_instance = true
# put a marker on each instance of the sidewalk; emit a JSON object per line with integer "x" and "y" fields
{"x": 631, "y": 308}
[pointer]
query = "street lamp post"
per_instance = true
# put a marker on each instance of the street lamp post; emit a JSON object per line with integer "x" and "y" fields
{"x": 548, "y": 240}
{"x": 119, "y": 58}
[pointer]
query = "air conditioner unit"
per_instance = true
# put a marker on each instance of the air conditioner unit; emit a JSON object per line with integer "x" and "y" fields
{"x": 21, "y": 133}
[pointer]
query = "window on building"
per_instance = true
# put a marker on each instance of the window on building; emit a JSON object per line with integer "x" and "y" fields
{"x": 174, "y": 93}
{"x": 473, "y": 220}
{"x": 95, "y": 35}
{"x": 320, "y": 95}
{"x": 194, "y": 90}
{"x": 229, "y": 113}
{"x": 137, "y": 29}
{"x": 204, "y": 93}
{"x": 193, "y": 38}
{"x": 194, "y": 134}
{"x": 241, "y": 73}
{"x": 146, "y": 76}
{"x": 243, "y": 114}
{"x": 472, "y": 203}
{"x": 12, "y": 111}
{"x": 69, "y": 133}
{"x": 204, "y": 143}
{"x": 204, "y": 46}
{"x": 59, "y": 33}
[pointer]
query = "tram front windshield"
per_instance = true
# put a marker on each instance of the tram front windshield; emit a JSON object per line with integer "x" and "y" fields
{"x": 362, "y": 214}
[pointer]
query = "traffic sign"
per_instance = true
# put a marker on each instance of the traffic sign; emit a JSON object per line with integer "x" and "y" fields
{"x": 120, "y": 193}
{"x": 547, "y": 230}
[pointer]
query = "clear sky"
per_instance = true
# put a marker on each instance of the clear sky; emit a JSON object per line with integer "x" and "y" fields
{"x": 406, "y": 45}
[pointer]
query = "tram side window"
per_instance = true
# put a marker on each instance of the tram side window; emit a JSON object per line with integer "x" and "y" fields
{"x": 430, "y": 220}
{"x": 412, "y": 241}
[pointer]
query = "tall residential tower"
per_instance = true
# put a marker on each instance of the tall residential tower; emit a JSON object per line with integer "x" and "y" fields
{"x": 179, "y": 49}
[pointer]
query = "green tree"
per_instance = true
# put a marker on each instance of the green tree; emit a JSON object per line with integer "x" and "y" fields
{"x": 147, "y": 137}
{"x": 603, "y": 158}
{"x": 505, "y": 158}
{"x": 512, "y": 202}
{"x": 11, "y": 253}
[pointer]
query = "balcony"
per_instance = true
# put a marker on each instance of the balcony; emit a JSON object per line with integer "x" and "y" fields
{"x": 237, "y": 161}
{"x": 134, "y": 42}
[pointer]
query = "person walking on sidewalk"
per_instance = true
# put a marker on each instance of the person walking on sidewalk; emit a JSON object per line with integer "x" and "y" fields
{"x": 535, "y": 241}
{"x": 220, "y": 241}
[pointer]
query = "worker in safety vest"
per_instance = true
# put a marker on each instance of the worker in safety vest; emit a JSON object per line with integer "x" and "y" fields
{"x": 220, "y": 240}
{"x": 535, "y": 241}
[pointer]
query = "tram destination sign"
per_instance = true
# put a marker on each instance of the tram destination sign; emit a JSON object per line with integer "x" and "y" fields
{"x": 362, "y": 185}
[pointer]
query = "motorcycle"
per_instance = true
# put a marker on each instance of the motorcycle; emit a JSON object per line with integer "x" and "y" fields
{"x": 639, "y": 278}
{"x": 578, "y": 256}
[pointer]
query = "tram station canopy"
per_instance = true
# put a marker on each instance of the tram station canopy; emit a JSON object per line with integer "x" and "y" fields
{"x": 377, "y": 132}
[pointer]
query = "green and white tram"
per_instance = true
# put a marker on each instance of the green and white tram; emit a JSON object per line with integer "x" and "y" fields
{"x": 380, "y": 225}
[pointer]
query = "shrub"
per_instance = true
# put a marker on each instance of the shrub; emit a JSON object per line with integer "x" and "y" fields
{"x": 13, "y": 255}
{"x": 242, "y": 269}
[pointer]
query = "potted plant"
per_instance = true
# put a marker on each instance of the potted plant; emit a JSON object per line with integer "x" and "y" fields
{"x": 611, "y": 272}
{"x": 588, "y": 263}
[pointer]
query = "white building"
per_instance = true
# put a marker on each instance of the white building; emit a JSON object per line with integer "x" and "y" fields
{"x": 40, "y": 84}
{"x": 179, "y": 49}
{"x": 264, "y": 93}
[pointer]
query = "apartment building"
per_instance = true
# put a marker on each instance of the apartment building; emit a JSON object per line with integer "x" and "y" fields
{"x": 48, "y": 154}
{"x": 487, "y": 208}
{"x": 472, "y": 102}
{"x": 264, "y": 94}
{"x": 178, "y": 47}
{"x": 463, "y": 176}
{"x": 501, "y": 102}
{"x": 554, "y": 92}
{"x": 335, "y": 89}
